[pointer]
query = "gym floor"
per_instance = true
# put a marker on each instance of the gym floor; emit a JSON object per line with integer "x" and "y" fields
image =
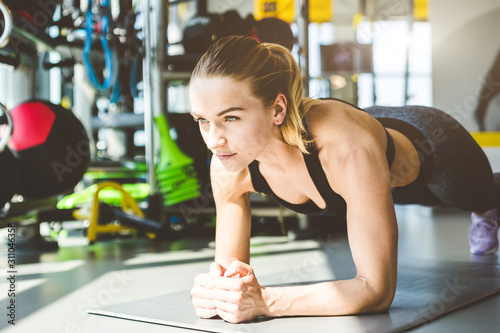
{"x": 55, "y": 288}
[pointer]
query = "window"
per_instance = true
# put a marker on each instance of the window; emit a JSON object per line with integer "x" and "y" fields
{"x": 390, "y": 55}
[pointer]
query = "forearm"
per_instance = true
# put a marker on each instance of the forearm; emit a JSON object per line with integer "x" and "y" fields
{"x": 333, "y": 298}
{"x": 225, "y": 260}
{"x": 228, "y": 251}
{"x": 232, "y": 237}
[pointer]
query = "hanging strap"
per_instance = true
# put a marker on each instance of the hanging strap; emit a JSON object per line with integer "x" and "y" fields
{"x": 109, "y": 70}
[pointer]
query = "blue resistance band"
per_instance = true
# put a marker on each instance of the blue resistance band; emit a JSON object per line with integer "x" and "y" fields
{"x": 108, "y": 56}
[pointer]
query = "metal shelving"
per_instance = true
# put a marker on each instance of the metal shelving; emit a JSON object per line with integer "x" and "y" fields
{"x": 26, "y": 40}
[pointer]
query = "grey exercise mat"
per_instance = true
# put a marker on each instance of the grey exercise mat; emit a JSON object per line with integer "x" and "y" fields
{"x": 426, "y": 290}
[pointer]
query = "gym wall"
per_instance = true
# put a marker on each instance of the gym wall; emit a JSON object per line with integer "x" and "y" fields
{"x": 16, "y": 85}
{"x": 465, "y": 42}
{"x": 243, "y": 7}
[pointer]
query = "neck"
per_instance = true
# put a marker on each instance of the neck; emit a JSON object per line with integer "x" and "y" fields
{"x": 279, "y": 154}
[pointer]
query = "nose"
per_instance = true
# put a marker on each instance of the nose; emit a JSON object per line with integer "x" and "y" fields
{"x": 216, "y": 138}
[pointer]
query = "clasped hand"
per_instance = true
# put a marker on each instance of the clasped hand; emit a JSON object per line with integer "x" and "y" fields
{"x": 233, "y": 294}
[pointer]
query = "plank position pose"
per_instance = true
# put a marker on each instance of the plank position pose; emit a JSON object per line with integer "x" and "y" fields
{"x": 322, "y": 156}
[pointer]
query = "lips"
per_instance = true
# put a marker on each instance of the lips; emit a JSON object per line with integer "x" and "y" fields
{"x": 224, "y": 157}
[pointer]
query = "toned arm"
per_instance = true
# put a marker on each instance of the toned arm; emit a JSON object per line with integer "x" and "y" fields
{"x": 363, "y": 180}
{"x": 232, "y": 238}
{"x": 232, "y": 235}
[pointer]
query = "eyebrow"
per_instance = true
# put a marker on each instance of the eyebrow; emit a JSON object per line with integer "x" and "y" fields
{"x": 223, "y": 112}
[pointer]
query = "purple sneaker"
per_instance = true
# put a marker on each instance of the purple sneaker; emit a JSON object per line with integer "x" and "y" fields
{"x": 483, "y": 237}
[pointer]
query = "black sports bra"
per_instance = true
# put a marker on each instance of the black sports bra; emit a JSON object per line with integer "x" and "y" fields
{"x": 335, "y": 204}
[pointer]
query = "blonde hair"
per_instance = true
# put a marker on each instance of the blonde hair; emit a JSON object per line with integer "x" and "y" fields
{"x": 270, "y": 69}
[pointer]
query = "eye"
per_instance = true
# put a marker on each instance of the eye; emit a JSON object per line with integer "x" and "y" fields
{"x": 200, "y": 120}
{"x": 231, "y": 119}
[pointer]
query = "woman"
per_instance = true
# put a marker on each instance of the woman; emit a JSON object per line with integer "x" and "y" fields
{"x": 320, "y": 157}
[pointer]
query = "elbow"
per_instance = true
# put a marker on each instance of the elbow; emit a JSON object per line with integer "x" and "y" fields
{"x": 382, "y": 304}
{"x": 379, "y": 296}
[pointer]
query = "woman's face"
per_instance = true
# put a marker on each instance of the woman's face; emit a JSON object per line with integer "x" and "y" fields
{"x": 235, "y": 124}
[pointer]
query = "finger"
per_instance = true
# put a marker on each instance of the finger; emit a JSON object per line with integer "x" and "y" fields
{"x": 226, "y": 295}
{"x": 238, "y": 267}
{"x": 201, "y": 303}
{"x": 233, "y": 284}
{"x": 227, "y": 316}
{"x": 225, "y": 306}
{"x": 215, "y": 270}
{"x": 200, "y": 292}
{"x": 204, "y": 280}
{"x": 206, "y": 313}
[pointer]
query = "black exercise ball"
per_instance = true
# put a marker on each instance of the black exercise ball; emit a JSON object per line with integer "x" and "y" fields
{"x": 9, "y": 176}
{"x": 51, "y": 146}
{"x": 274, "y": 30}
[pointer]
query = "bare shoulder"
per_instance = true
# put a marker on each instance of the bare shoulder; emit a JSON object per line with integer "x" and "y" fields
{"x": 351, "y": 147}
{"x": 227, "y": 184}
{"x": 350, "y": 143}
{"x": 336, "y": 123}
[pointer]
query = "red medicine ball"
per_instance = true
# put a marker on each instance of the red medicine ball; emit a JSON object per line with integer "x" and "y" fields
{"x": 52, "y": 148}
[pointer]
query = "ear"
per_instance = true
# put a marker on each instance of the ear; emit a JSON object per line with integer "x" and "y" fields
{"x": 280, "y": 105}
